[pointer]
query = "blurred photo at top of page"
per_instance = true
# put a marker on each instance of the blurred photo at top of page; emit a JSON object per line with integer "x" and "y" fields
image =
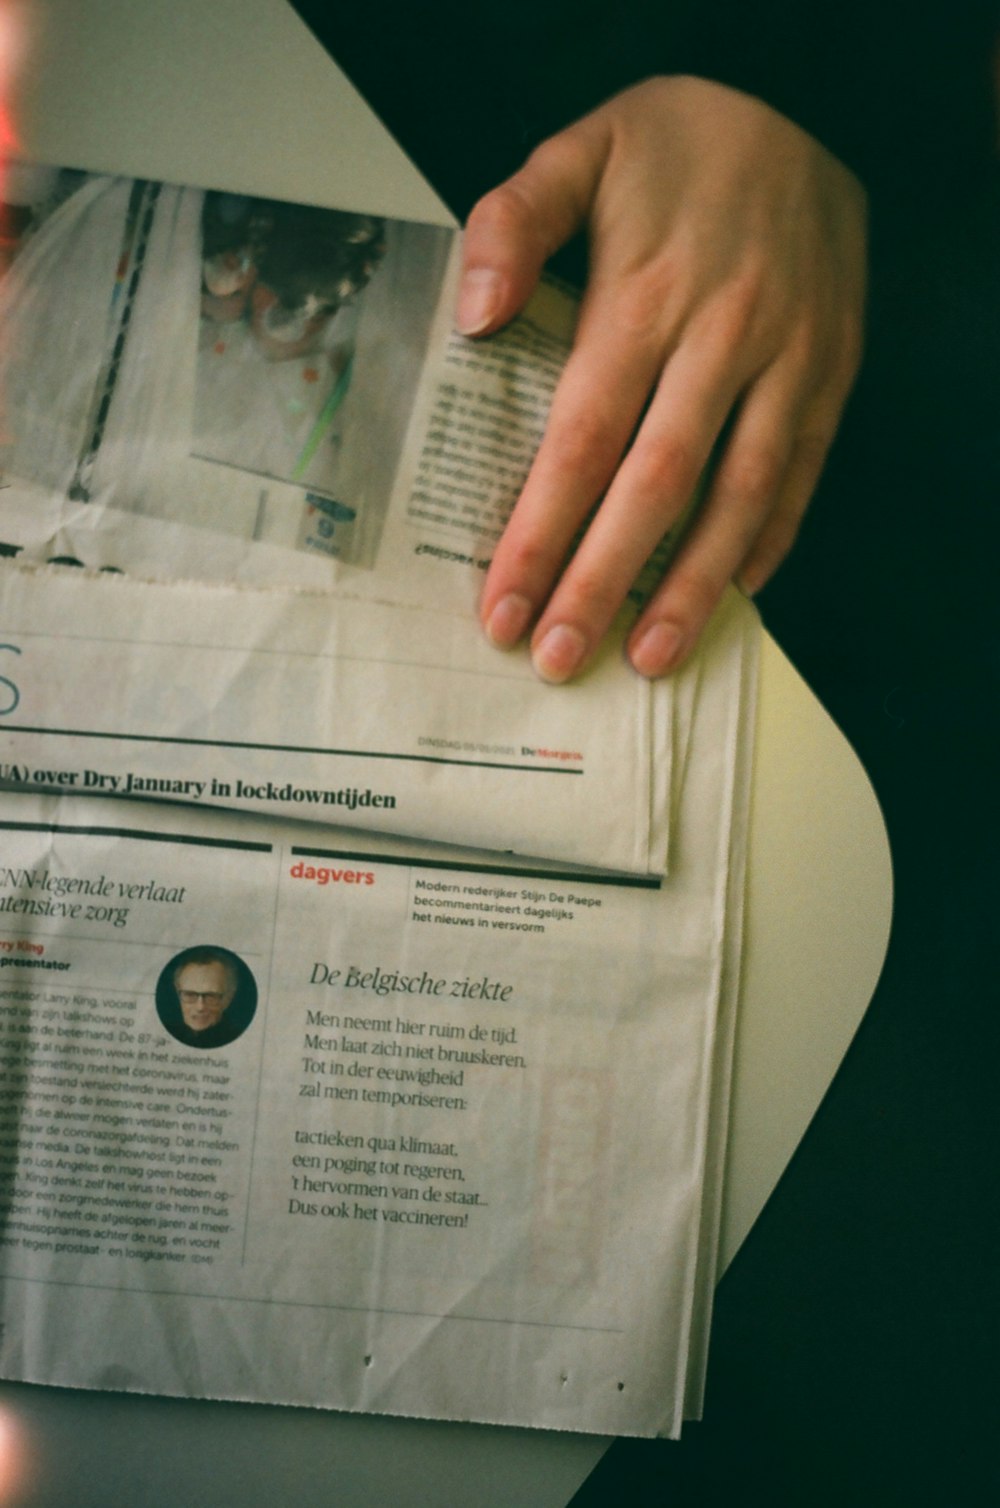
{"x": 250, "y": 389}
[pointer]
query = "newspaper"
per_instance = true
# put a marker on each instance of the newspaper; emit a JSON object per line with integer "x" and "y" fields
{"x": 391, "y": 1127}
{"x": 269, "y": 400}
{"x": 397, "y": 719}
{"x": 248, "y": 390}
{"x": 298, "y": 1103}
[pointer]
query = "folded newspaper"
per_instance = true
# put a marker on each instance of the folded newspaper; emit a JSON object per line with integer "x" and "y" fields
{"x": 299, "y": 1101}
{"x": 264, "y": 395}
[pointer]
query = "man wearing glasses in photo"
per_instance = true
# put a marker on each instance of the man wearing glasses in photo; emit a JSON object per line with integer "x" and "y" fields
{"x": 212, "y": 1009}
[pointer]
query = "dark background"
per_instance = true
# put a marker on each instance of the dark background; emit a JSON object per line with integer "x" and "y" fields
{"x": 856, "y": 1338}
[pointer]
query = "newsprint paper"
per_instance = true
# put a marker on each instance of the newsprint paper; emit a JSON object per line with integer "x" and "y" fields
{"x": 300, "y": 1102}
{"x": 442, "y": 1155}
{"x": 260, "y": 395}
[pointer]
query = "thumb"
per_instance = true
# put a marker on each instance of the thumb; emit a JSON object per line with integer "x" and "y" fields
{"x": 515, "y": 228}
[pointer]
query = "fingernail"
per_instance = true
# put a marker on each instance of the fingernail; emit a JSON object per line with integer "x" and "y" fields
{"x": 658, "y": 650}
{"x": 508, "y": 620}
{"x": 559, "y": 653}
{"x": 478, "y": 300}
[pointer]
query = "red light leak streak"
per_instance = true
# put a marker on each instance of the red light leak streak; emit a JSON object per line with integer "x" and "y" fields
{"x": 10, "y": 37}
{"x": 8, "y": 139}
{"x": 14, "y": 1457}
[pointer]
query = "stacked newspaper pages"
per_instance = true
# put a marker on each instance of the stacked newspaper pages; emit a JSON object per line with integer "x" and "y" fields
{"x": 367, "y": 1029}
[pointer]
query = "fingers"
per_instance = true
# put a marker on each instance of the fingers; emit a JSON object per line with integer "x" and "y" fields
{"x": 745, "y": 529}
{"x": 698, "y": 370}
{"x": 596, "y": 407}
{"x": 513, "y": 230}
{"x": 781, "y": 527}
{"x": 816, "y": 433}
{"x": 651, "y": 489}
{"x": 726, "y": 287}
{"x": 786, "y": 392}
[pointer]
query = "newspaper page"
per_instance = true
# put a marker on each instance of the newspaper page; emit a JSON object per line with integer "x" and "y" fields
{"x": 246, "y": 389}
{"x": 397, "y": 719}
{"x": 270, "y": 397}
{"x": 723, "y": 1063}
{"x": 380, "y": 1127}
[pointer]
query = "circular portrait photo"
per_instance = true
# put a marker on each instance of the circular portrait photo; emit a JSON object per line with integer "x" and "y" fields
{"x": 206, "y": 997}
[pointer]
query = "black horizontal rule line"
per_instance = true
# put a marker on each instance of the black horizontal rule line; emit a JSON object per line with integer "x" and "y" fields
{"x": 235, "y": 743}
{"x": 523, "y": 872}
{"x": 138, "y": 833}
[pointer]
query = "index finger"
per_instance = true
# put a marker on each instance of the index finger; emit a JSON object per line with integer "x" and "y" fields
{"x": 597, "y": 404}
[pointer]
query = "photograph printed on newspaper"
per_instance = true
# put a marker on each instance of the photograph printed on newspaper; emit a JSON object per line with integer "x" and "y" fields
{"x": 248, "y": 389}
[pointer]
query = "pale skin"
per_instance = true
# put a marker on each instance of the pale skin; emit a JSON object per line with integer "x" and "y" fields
{"x": 205, "y": 992}
{"x": 726, "y": 283}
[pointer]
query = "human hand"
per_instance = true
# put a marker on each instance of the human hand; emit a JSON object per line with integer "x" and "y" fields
{"x": 726, "y": 282}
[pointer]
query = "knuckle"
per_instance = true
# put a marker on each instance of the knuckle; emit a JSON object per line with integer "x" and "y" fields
{"x": 531, "y": 555}
{"x": 665, "y": 464}
{"x": 593, "y": 596}
{"x": 808, "y": 348}
{"x": 504, "y": 214}
{"x": 747, "y": 288}
{"x": 753, "y": 476}
{"x": 643, "y": 297}
{"x": 583, "y": 444}
{"x": 641, "y": 302}
{"x": 565, "y": 154}
{"x": 740, "y": 306}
